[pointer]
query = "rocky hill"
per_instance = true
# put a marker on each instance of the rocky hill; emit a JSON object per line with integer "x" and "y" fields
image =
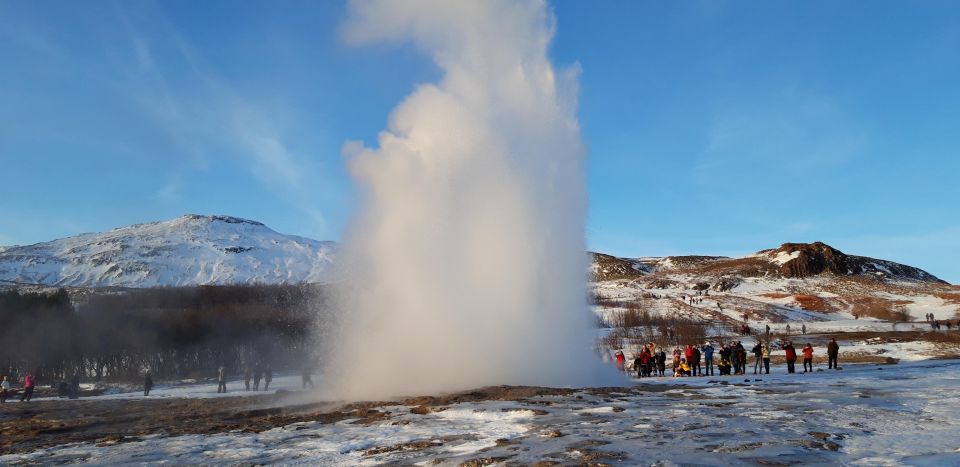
{"x": 189, "y": 250}
{"x": 790, "y": 260}
{"x": 796, "y": 282}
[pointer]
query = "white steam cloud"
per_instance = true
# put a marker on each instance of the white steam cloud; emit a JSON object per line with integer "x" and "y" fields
{"x": 466, "y": 263}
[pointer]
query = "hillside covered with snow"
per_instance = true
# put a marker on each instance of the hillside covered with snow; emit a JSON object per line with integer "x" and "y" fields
{"x": 808, "y": 286}
{"x": 188, "y": 250}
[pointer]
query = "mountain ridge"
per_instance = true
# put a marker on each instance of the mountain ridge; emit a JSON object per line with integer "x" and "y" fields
{"x": 189, "y": 250}
{"x": 196, "y": 249}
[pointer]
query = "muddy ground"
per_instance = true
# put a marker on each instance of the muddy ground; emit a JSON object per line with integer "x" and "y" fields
{"x": 26, "y": 427}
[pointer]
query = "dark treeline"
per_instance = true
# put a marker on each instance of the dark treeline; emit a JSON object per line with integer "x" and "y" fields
{"x": 174, "y": 332}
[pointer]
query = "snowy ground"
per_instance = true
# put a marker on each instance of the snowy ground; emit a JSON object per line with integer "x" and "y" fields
{"x": 902, "y": 414}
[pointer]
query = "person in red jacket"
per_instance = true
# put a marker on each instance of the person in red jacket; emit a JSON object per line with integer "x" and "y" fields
{"x": 27, "y": 388}
{"x": 644, "y": 369}
{"x": 791, "y": 356}
{"x": 620, "y": 361}
{"x": 688, "y": 352}
{"x": 808, "y": 358}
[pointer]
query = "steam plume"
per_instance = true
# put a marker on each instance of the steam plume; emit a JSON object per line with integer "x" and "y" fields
{"x": 466, "y": 261}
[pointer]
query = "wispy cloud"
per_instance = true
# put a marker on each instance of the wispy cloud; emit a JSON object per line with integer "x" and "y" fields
{"x": 792, "y": 131}
{"x": 210, "y": 116}
{"x": 170, "y": 191}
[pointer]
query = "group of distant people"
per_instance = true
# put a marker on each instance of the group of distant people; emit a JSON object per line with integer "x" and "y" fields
{"x": 258, "y": 373}
{"x": 694, "y": 360}
{"x": 935, "y": 323}
{"x": 72, "y": 389}
{"x": 6, "y": 388}
{"x": 26, "y": 394}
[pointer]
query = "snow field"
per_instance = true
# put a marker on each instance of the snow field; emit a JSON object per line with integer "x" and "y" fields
{"x": 862, "y": 415}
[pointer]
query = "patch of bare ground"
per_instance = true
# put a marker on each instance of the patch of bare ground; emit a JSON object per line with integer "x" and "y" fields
{"x": 611, "y": 268}
{"x": 404, "y": 447}
{"x": 586, "y": 452}
{"x": 814, "y": 303}
{"x": 742, "y": 267}
{"x": 485, "y": 461}
{"x": 879, "y": 308}
{"x": 32, "y": 426}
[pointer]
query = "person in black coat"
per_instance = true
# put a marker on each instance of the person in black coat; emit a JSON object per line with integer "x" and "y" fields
{"x": 833, "y": 351}
{"x": 147, "y": 383}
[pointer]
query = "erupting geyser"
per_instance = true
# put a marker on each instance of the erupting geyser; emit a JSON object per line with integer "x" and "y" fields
{"x": 466, "y": 263}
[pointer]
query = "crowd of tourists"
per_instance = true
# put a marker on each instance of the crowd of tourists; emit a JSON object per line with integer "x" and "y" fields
{"x": 729, "y": 359}
{"x": 251, "y": 374}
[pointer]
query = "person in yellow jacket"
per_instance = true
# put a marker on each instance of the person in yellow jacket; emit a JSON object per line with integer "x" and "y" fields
{"x": 765, "y": 354}
{"x": 683, "y": 369}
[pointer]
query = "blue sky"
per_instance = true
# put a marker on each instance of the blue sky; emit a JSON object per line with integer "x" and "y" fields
{"x": 714, "y": 127}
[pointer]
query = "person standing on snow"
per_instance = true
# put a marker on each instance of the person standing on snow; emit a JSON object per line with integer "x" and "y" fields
{"x": 708, "y": 358}
{"x": 147, "y": 384}
{"x": 735, "y": 357}
{"x": 75, "y": 386}
{"x": 695, "y": 368}
{"x": 4, "y": 389}
{"x": 661, "y": 361}
{"x": 743, "y": 358}
{"x": 791, "y": 356}
{"x": 621, "y": 359}
{"x": 645, "y": 359}
{"x": 758, "y": 356}
{"x": 267, "y": 377}
{"x": 257, "y": 374}
{"x": 247, "y": 374}
{"x": 765, "y": 353}
{"x": 28, "y": 384}
{"x": 808, "y": 358}
{"x": 833, "y": 350}
{"x": 222, "y": 380}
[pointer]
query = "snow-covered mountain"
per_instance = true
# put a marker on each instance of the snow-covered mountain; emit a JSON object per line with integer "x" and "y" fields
{"x": 188, "y": 250}
{"x": 796, "y": 282}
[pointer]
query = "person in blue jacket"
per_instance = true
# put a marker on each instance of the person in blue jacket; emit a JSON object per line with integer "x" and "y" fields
{"x": 707, "y": 351}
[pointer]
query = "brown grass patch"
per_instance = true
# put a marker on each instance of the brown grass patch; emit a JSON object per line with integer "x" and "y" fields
{"x": 775, "y": 295}
{"x": 742, "y": 267}
{"x": 814, "y": 303}
{"x": 879, "y": 308}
